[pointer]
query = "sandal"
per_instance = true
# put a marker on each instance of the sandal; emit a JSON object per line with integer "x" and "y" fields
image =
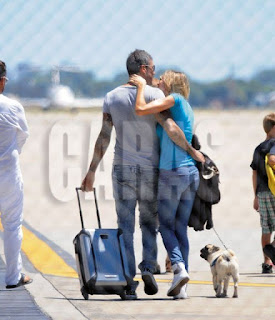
{"x": 23, "y": 281}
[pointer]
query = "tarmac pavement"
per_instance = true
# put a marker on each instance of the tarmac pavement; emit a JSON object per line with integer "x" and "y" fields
{"x": 59, "y": 298}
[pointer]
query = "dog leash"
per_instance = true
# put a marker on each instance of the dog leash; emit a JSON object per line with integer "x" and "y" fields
{"x": 220, "y": 238}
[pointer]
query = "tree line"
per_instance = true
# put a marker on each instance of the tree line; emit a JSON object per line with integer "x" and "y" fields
{"x": 226, "y": 93}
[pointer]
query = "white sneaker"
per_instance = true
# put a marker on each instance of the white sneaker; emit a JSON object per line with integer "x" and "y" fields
{"x": 182, "y": 294}
{"x": 181, "y": 277}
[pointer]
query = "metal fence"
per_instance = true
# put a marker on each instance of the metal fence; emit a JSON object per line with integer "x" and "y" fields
{"x": 209, "y": 40}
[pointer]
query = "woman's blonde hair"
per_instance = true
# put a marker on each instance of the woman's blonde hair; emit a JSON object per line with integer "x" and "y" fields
{"x": 176, "y": 82}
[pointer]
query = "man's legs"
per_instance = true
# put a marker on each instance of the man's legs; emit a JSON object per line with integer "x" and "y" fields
{"x": 149, "y": 228}
{"x": 148, "y": 221}
{"x": 129, "y": 184}
{"x": 124, "y": 188}
{"x": 12, "y": 216}
{"x": 126, "y": 222}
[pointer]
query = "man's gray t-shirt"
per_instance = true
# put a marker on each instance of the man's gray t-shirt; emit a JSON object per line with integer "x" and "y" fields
{"x": 136, "y": 139}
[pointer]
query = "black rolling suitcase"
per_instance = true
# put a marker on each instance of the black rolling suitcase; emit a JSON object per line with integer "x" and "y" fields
{"x": 101, "y": 259}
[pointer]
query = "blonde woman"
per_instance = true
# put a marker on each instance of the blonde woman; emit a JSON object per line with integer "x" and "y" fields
{"x": 179, "y": 177}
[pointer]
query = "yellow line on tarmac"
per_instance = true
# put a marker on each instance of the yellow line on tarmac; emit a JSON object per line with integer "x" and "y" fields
{"x": 47, "y": 261}
{"x": 243, "y": 284}
{"x": 43, "y": 258}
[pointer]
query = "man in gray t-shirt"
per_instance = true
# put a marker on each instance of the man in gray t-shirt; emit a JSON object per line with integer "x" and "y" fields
{"x": 135, "y": 167}
{"x": 136, "y": 138}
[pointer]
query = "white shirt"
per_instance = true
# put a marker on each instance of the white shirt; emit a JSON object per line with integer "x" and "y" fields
{"x": 13, "y": 133}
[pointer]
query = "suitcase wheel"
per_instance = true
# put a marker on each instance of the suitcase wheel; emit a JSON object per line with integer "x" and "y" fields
{"x": 123, "y": 295}
{"x": 85, "y": 294}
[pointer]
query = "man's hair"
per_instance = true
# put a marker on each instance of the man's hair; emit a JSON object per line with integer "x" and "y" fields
{"x": 136, "y": 59}
{"x": 269, "y": 122}
{"x": 3, "y": 69}
{"x": 176, "y": 82}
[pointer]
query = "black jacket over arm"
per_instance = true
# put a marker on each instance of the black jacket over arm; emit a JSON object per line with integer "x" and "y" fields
{"x": 207, "y": 194}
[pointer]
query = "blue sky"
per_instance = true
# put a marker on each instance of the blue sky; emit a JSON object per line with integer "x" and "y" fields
{"x": 208, "y": 39}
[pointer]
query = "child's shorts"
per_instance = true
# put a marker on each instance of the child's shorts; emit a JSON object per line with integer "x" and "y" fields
{"x": 267, "y": 211}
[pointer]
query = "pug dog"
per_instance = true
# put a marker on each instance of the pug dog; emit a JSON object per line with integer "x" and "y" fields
{"x": 223, "y": 264}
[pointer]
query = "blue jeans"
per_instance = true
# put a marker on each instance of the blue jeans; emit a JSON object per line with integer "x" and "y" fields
{"x": 176, "y": 194}
{"x": 132, "y": 185}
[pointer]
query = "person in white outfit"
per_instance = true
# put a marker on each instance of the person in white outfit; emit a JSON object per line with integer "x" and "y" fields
{"x": 13, "y": 135}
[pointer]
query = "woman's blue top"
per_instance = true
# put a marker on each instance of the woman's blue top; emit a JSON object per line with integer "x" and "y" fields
{"x": 171, "y": 155}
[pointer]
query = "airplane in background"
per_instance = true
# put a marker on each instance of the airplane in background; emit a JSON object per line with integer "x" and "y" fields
{"x": 61, "y": 96}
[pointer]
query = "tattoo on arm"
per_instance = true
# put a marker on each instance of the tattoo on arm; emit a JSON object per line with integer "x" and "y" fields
{"x": 102, "y": 141}
{"x": 162, "y": 117}
{"x": 174, "y": 132}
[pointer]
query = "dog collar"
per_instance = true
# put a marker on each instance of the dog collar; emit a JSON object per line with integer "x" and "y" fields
{"x": 214, "y": 262}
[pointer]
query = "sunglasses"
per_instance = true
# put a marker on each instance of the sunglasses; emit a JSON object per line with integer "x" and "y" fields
{"x": 153, "y": 68}
{"x": 7, "y": 79}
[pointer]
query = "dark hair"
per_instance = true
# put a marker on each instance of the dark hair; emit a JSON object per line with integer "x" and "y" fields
{"x": 3, "y": 69}
{"x": 136, "y": 59}
{"x": 269, "y": 122}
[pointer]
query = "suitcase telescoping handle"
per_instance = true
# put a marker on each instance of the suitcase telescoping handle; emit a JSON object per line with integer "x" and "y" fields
{"x": 80, "y": 211}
